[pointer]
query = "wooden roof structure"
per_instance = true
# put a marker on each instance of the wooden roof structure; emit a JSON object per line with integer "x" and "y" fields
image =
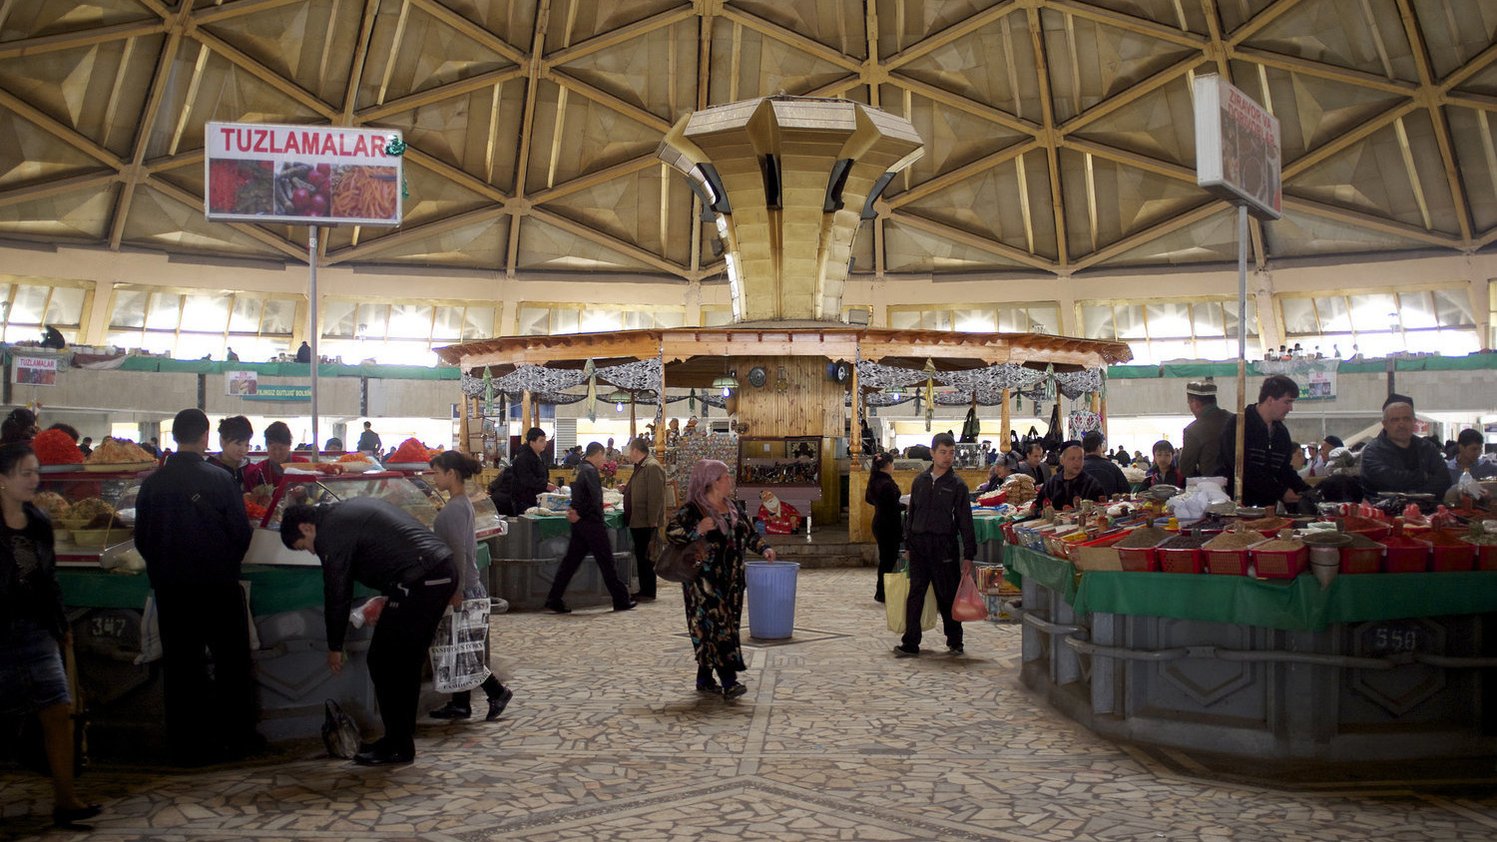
{"x": 694, "y": 355}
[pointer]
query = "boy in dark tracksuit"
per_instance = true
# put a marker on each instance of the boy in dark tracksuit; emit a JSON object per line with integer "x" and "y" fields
{"x": 939, "y": 513}
{"x": 589, "y": 535}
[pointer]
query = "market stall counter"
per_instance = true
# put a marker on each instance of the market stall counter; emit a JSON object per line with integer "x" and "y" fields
{"x": 527, "y": 557}
{"x": 119, "y": 673}
{"x": 1372, "y": 667}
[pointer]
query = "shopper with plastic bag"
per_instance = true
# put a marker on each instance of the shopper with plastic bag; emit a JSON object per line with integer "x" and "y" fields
{"x": 454, "y": 525}
{"x": 380, "y": 546}
{"x": 939, "y": 514}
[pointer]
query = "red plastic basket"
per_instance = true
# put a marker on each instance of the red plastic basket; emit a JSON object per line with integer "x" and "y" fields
{"x": 1180, "y": 561}
{"x": 1227, "y": 562}
{"x": 1449, "y": 554}
{"x": 1139, "y": 559}
{"x": 1281, "y": 564}
{"x": 1406, "y": 555}
{"x": 1486, "y": 556}
{"x": 1362, "y": 555}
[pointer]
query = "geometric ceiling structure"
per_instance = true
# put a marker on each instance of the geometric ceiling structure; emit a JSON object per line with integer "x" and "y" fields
{"x": 1059, "y": 135}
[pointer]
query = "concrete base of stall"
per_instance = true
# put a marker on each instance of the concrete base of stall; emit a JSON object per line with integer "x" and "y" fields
{"x": 1247, "y": 691}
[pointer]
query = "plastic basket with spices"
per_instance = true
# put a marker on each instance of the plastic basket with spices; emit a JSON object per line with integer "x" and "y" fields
{"x": 1405, "y": 554}
{"x": 1281, "y": 558}
{"x": 1137, "y": 553}
{"x": 1362, "y": 555}
{"x": 1182, "y": 554}
{"x": 1449, "y": 553}
{"x": 1227, "y": 553}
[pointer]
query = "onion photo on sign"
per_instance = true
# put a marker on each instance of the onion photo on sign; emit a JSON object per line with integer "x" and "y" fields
{"x": 302, "y": 189}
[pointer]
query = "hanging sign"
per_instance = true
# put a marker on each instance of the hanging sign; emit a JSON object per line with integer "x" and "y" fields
{"x": 241, "y": 384}
{"x": 34, "y": 371}
{"x": 1316, "y": 378}
{"x": 318, "y": 175}
{"x": 1237, "y": 148}
{"x": 280, "y": 392}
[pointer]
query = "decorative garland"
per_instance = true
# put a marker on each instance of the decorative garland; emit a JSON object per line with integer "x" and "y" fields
{"x": 637, "y": 376}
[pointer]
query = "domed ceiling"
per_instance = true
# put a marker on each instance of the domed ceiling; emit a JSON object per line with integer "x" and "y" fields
{"x": 1059, "y": 135}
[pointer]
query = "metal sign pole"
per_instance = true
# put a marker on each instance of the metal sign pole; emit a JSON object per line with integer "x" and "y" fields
{"x": 1242, "y": 245}
{"x": 312, "y": 264}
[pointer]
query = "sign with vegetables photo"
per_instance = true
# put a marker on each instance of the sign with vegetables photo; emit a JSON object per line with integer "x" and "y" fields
{"x": 319, "y": 175}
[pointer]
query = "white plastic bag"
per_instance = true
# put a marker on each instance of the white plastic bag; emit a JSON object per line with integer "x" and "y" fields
{"x": 457, "y": 650}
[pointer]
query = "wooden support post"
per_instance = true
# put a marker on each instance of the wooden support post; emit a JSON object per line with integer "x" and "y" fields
{"x": 660, "y": 414}
{"x": 465, "y": 444}
{"x": 1005, "y": 422}
{"x": 632, "y": 424}
{"x": 855, "y": 432}
{"x": 525, "y": 419}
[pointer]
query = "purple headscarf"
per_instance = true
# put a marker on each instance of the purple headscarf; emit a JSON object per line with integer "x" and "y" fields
{"x": 703, "y": 475}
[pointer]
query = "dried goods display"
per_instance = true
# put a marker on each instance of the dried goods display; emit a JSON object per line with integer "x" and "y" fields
{"x": 55, "y": 505}
{"x": 116, "y": 452}
{"x": 54, "y": 447}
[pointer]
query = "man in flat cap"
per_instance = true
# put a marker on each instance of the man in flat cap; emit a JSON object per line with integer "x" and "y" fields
{"x": 1398, "y": 460}
{"x": 1201, "y": 454}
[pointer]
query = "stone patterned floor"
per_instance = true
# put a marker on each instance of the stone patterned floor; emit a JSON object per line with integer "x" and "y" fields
{"x": 606, "y": 739}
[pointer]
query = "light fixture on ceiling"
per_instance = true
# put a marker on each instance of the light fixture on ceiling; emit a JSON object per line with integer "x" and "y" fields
{"x": 726, "y": 381}
{"x": 618, "y": 397}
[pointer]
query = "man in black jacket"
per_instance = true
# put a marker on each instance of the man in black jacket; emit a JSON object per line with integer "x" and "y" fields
{"x": 938, "y": 515}
{"x": 526, "y": 477}
{"x": 589, "y": 535}
{"x": 1070, "y": 484}
{"x": 1108, "y": 476}
{"x": 191, "y": 528}
{"x": 1267, "y": 477}
{"x": 1398, "y": 460}
{"x": 372, "y": 542}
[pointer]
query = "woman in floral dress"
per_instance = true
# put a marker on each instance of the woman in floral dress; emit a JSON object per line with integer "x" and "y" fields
{"x": 714, "y": 599}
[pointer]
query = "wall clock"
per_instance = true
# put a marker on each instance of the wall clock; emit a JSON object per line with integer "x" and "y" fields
{"x": 757, "y": 377}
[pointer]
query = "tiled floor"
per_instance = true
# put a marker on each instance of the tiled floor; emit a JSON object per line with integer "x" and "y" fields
{"x": 606, "y": 739}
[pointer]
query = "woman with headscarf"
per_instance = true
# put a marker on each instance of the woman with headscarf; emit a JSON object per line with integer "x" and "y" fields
{"x": 714, "y": 598}
{"x": 19, "y": 426}
{"x": 888, "y": 517}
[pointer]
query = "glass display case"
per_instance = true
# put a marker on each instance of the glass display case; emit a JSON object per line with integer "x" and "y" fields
{"x": 794, "y": 462}
{"x": 93, "y": 513}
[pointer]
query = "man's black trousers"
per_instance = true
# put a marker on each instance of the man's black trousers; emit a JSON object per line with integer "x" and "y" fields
{"x": 589, "y": 536}
{"x": 932, "y": 564}
{"x": 208, "y": 716}
{"x": 399, "y": 648}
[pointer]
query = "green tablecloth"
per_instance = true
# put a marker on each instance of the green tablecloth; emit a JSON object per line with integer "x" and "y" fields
{"x": 273, "y": 590}
{"x": 988, "y": 529}
{"x": 1298, "y": 604}
{"x": 557, "y": 526}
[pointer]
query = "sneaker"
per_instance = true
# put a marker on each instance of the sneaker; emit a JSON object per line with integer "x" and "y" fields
{"x": 901, "y": 652}
{"x": 711, "y": 687}
{"x": 498, "y": 703}
{"x": 557, "y": 607}
{"x": 955, "y": 651}
{"x": 451, "y": 710}
{"x": 734, "y": 690}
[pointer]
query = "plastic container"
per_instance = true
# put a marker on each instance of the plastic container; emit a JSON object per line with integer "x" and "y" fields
{"x": 1181, "y": 558}
{"x": 1449, "y": 554}
{"x": 1281, "y": 564}
{"x": 1229, "y": 562}
{"x": 1362, "y": 555}
{"x": 1139, "y": 559}
{"x": 1405, "y": 554}
{"x": 771, "y": 598}
{"x": 1486, "y": 556}
{"x": 1375, "y": 529}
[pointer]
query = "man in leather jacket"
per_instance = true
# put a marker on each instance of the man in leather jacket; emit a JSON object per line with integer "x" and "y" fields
{"x": 378, "y": 545}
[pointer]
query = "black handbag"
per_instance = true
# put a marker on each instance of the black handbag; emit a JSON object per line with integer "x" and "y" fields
{"x": 340, "y": 734}
{"x": 681, "y": 562}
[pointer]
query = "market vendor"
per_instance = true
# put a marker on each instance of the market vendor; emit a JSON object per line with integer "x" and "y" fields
{"x": 1469, "y": 445}
{"x": 277, "y": 455}
{"x": 1399, "y": 461}
{"x": 1200, "y": 455}
{"x": 1070, "y": 484}
{"x": 778, "y": 517}
{"x": 1267, "y": 477}
{"x": 516, "y": 489}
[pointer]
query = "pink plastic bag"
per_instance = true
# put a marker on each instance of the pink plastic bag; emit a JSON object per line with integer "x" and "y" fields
{"x": 969, "y": 606}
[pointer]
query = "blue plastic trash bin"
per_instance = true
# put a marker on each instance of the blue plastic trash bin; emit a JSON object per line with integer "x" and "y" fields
{"x": 771, "y": 599}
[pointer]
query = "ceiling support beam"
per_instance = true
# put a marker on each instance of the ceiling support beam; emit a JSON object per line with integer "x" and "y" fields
{"x": 785, "y": 36}
{"x": 154, "y": 97}
{"x": 280, "y": 244}
{"x": 946, "y": 232}
{"x": 1303, "y": 163}
{"x": 1153, "y": 232}
{"x": 614, "y": 37}
{"x": 1370, "y": 222}
{"x": 522, "y": 161}
{"x": 43, "y": 189}
{"x": 965, "y": 171}
{"x": 947, "y": 36}
{"x": 1415, "y": 37}
{"x": 450, "y": 90}
{"x": 609, "y": 242}
{"x": 23, "y": 47}
{"x": 410, "y": 235}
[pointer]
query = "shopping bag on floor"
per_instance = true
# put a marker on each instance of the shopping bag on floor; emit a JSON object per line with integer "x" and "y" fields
{"x": 969, "y": 605}
{"x": 457, "y": 650}
{"x": 896, "y": 592}
{"x": 340, "y": 734}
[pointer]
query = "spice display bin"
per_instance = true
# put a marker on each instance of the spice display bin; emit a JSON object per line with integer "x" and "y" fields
{"x": 1362, "y": 555}
{"x": 1281, "y": 564}
{"x": 1405, "y": 554}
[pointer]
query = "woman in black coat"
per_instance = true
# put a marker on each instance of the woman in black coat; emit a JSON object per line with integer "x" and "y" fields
{"x": 888, "y": 517}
